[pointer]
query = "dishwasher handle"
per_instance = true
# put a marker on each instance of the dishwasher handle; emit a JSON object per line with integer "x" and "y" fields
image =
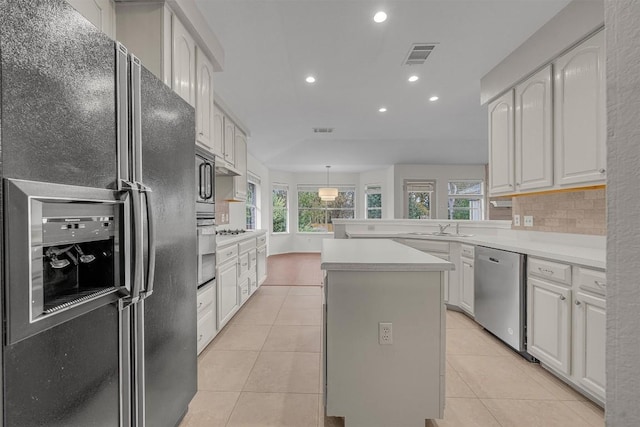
{"x": 497, "y": 261}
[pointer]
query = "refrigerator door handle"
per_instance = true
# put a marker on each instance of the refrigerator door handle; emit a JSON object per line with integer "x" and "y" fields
{"x": 138, "y": 258}
{"x": 122, "y": 107}
{"x": 151, "y": 241}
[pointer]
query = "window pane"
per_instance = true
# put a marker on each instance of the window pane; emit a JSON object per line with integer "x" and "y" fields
{"x": 309, "y": 199}
{"x": 374, "y": 213}
{"x": 312, "y": 220}
{"x": 419, "y": 205}
{"x": 374, "y": 200}
{"x": 465, "y": 208}
{"x": 279, "y": 202}
{"x": 465, "y": 188}
{"x": 345, "y": 199}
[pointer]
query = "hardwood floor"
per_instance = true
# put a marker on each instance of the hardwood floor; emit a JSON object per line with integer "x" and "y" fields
{"x": 294, "y": 269}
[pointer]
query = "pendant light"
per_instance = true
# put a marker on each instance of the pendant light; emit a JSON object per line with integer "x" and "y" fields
{"x": 328, "y": 194}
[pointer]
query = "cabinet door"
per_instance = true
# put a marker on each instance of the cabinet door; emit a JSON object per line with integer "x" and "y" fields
{"x": 468, "y": 288}
{"x": 534, "y": 132}
{"x": 589, "y": 342}
{"x": 549, "y": 323}
{"x": 262, "y": 265}
{"x": 184, "y": 62}
{"x": 501, "y": 145}
{"x": 205, "y": 330}
{"x": 240, "y": 182}
{"x": 227, "y": 293}
{"x": 218, "y": 132}
{"x": 204, "y": 100}
{"x": 580, "y": 114}
{"x": 101, "y": 13}
{"x": 229, "y": 141}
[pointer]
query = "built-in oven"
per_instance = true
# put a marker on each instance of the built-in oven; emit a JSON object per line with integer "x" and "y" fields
{"x": 206, "y": 251}
{"x": 66, "y": 253}
{"x": 205, "y": 184}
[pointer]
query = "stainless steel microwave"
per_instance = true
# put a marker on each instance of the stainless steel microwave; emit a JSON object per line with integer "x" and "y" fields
{"x": 205, "y": 184}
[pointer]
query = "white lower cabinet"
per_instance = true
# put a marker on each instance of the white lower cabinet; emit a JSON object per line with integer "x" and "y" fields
{"x": 205, "y": 328}
{"x": 468, "y": 288}
{"x": 589, "y": 342}
{"x": 206, "y": 314}
{"x": 227, "y": 279}
{"x": 261, "y": 265}
{"x": 549, "y": 323}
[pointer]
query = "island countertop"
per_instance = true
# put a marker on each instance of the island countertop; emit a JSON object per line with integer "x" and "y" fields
{"x": 377, "y": 255}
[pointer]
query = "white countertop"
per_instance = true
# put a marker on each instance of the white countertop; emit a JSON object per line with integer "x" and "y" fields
{"x": 377, "y": 255}
{"x": 586, "y": 256}
{"x": 228, "y": 239}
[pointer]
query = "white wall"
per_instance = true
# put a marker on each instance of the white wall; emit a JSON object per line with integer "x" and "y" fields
{"x": 622, "y": 22}
{"x": 441, "y": 174}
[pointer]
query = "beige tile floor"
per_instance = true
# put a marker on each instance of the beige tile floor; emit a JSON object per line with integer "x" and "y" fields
{"x": 263, "y": 370}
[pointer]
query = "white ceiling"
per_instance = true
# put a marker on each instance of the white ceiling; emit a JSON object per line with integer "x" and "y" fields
{"x": 272, "y": 45}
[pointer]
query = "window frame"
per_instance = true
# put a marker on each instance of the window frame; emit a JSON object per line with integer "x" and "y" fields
{"x": 283, "y": 187}
{"x": 368, "y": 189}
{"x": 254, "y": 180}
{"x": 314, "y": 188}
{"x": 479, "y": 197}
{"x": 432, "y": 197}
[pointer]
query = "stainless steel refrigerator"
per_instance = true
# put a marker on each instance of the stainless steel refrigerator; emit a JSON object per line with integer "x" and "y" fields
{"x": 99, "y": 229}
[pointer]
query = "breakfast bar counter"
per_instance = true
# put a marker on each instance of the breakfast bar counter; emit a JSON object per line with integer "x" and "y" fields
{"x": 384, "y": 349}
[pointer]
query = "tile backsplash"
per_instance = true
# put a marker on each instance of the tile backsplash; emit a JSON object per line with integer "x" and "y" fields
{"x": 583, "y": 211}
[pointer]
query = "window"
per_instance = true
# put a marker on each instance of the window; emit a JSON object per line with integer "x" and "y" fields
{"x": 419, "y": 197}
{"x": 314, "y": 215}
{"x": 373, "y": 199}
{"x": 253, "y": 201}
{"x": 280, "y": 203}
{"x": 466, "y": 200}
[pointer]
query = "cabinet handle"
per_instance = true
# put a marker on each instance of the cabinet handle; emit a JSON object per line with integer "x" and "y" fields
{"x": 578, "y": 302}
{"x": 229, "y": 253}
{"x": 600, "y": 284}
{"x": 518, "y": 184}
{"x": 602, "y": 170}
{"x": 200, "y": 304}
{"x": 201, "y": 133}
{"x": 200, "y": 337}
{"x": 562, "y": 298}
{"x": 545, "y": 271}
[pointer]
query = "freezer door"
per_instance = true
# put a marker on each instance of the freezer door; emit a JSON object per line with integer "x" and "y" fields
{"x": 59, "y": 126}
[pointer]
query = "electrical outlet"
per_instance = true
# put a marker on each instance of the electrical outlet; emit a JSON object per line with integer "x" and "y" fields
{"x": 516, "y": 220}
{"x": 385, "y": 333}
{"x": 528, "y": 221}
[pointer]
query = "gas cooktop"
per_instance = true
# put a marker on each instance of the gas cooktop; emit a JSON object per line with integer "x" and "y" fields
{"x": 230, "y": 232}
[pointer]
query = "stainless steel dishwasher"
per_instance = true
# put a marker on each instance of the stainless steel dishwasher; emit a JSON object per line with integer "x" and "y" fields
{"x": 501, "y": 296}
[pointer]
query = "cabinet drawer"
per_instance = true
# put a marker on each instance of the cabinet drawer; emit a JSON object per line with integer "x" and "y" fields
{"x": 227, "y": 253}
{"x": 205, "y": 330}
{"x": 425, "y": 245}
{"x": 549, "y": 270}
{"x": 205, "y": 298}
{"x": 262, "y": 240}
{"x": 468, "y": 251}
{"x": 243, "y": 264}
{"x": 591, "y": 280}
{"x": 246, "y": 245}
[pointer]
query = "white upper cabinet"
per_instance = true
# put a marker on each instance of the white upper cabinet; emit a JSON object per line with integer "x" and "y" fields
{"x": 501, "y": 145}
{"x": 534, "y": 132}
{"x": 229, "y": 141}
{"x": 218, "y": 132}
{"x": 101, "y": 13}
{"x": 184, "y": 62}
{"x": 204, "y": 101}
{"x": 240, "y": 182}
{"x": 580, "y": 114}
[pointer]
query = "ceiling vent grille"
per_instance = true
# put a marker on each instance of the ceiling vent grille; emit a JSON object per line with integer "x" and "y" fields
{"x": 418, "y": 53}
{"x": 323, "y": 130}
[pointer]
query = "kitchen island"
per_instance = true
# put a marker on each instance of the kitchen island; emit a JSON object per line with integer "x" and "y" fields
{"x": 384, "y": 349}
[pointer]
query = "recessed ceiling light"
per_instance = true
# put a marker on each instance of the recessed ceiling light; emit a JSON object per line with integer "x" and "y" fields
{"x": 310, "y": 79}
{"x": 433, "y": 98}
{"x": 382, "y": 109}
{"x": 380, "y": 17}
{"x": 413, "y": 79}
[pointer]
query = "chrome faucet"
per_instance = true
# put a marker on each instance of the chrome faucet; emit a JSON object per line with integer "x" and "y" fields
{"x": 442, "y": 228}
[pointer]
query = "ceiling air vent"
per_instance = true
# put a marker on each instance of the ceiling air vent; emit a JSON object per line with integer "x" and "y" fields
{"x": 323, "y": 130}
{"x": 419, "y": 53}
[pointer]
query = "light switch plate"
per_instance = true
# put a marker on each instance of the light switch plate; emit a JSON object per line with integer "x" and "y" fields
{"x": 516, "y": 220}
{"x": 528, "y": 221}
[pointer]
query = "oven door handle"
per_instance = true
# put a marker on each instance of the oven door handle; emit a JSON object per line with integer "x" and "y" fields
{"x": 202, "y": 192}
{"x": 209, "y": 181}
{"x": 151, "y": 241}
